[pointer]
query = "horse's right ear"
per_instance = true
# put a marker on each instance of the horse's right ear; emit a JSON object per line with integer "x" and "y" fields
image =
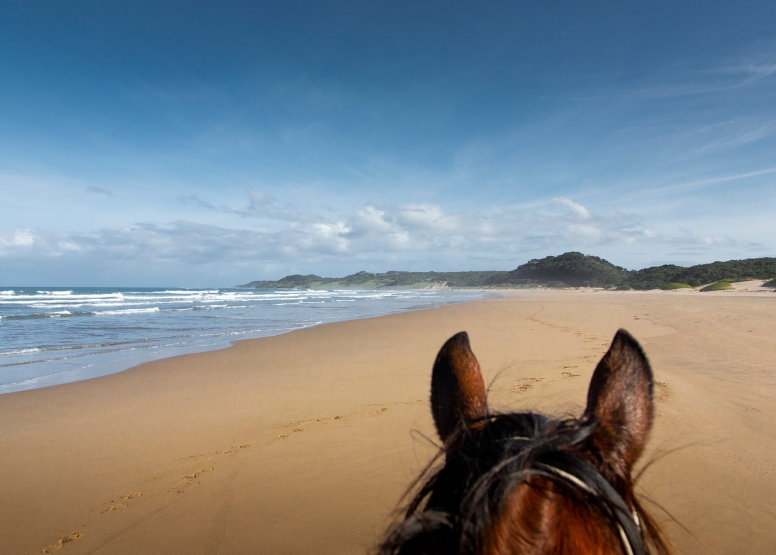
{"x": 620, "y": 400}
{"x": 457, "y": 388}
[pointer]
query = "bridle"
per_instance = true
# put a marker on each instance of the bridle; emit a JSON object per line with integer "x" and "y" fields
{"x": 585, "y": 478}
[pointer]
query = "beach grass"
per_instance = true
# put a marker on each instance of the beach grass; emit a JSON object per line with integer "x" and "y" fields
{"x": 770, "y": 283}
{"x": 721, "y": 285}
{"x": 672, "y": 286}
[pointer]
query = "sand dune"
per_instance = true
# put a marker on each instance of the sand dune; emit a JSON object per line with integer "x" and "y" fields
{"x": 304, "y": 443}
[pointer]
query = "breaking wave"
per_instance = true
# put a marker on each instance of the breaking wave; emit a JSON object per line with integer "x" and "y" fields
{"x": 58, "y": 335}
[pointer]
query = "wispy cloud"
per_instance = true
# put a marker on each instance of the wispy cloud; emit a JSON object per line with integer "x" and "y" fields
{"x": 260, "y": 205}
{"x": 747, "y": 71}
{"x": 727, "y": 76}
{"x": 578, "y": 209}
{"x": 194, "y": 200}
{"x": 100, "y": 191}
{"x": 725, "y": 178}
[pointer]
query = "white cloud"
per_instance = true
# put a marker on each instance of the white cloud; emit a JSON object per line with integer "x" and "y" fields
{"x": 405, "y": 228}
{"x": 17, "y": 238}
{"x": 402, "y": 236}
{"x": 578, "y": 209}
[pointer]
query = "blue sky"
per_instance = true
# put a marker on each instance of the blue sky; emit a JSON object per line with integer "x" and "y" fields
{"x": 209, "y": 144}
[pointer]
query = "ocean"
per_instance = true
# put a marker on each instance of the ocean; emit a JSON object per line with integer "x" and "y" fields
{"x": 52, "y": 336}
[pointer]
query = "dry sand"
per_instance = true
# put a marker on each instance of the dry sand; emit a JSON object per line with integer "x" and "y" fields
{"x": 303, "y": 443}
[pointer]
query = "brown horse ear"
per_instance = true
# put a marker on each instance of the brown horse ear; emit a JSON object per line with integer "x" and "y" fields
{"x": 457, "y": 388}
{"x": 620, "y": 400}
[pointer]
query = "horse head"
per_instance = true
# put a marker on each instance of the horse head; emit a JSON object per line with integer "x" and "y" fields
{"x": 525, "y": 483}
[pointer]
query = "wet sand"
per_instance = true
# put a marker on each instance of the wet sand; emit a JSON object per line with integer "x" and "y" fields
{"x": 304, "y": 442}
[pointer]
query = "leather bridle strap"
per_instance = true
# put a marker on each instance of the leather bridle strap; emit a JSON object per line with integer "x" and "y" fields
{"x": 585, "y": 477}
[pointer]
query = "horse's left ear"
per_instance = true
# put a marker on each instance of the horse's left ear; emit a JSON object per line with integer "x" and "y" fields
{"x": 458, "y": 396}
{"x": 620, "y": 400}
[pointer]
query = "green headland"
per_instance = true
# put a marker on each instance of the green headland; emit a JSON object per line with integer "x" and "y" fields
{"x": 572, "y": 269}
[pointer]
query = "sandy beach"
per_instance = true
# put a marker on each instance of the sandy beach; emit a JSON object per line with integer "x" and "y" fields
{"x": 305, "y": 442}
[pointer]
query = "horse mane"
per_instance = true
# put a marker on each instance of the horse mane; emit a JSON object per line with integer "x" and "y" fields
{"x": 456, "y": 502}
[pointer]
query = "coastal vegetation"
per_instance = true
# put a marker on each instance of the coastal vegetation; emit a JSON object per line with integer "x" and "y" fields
{"x": 363, "y": 280}
{"x": 571, "y": 269}
{"x": 721, "y": 285}
{"x": 679, "y": 286}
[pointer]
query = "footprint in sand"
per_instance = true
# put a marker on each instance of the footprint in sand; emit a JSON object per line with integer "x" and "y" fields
{"x": 133, "y": 495}
{"x": 297, "y": 429}
{"x": 569, "y": 375}
{"x": 57, "y": 546}
{"x": 662, "y": 393}
{"x": 198, "y": 472}
{"x": 522, "y": 385}
{"x": 114, "y": 508}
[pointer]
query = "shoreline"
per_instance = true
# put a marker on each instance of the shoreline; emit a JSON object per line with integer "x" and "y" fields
{"x": 303, "y": 441}
{"x": 748, "y": 288}
{"x": 57, "y": 345}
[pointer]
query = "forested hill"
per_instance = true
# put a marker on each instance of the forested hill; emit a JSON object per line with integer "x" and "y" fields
{"x": 363, "y": 280}
{"x": 572, "y": 269}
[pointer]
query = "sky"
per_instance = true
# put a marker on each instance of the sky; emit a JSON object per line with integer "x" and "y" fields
{"x": 207, "y": 144}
